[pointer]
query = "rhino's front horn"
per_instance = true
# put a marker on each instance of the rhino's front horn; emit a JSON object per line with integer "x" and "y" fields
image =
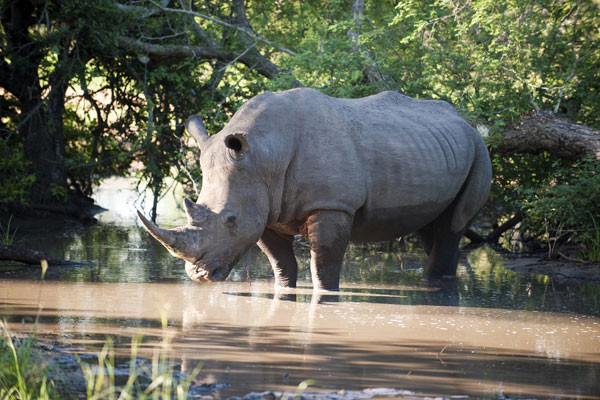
{"x": 175, "y": 240}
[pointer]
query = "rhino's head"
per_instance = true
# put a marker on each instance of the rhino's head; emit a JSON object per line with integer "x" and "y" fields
{"x": 231, "y": 212}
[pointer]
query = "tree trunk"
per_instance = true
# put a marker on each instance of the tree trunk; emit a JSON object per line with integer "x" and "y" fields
{"x": 41, "y": 125}
{"x": 44, "y": 147}
{"x": 373, "y": 72}
{"x": 32, "y": 257}
{"x": 547, "y": 132}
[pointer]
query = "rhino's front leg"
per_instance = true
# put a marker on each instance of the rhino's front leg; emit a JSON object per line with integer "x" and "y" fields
{"x": 328, "y": 233}
{"x": 279, "y": 251}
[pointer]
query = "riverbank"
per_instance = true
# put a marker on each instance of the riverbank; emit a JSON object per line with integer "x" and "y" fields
{"x": 561, "y": 270}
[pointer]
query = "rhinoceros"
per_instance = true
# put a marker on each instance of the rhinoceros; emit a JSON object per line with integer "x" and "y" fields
{"x": 332, "y": 170}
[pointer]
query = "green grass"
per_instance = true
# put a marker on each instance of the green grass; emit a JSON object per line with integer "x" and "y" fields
{"x": 6, "y": 236}
{"x": 593, "y": 253}
{"x": 26, "y": 373}
{"x": 23, "y": 370}
{"x": 100, "y": 378}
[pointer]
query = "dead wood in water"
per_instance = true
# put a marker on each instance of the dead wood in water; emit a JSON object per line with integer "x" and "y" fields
{"x": 75, "y": 211}
{"x": 558, "y": 136}
{"x": 32, "y": 257}
{"x": 494, "y": 235}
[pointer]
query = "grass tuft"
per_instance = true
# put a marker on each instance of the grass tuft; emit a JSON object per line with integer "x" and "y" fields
{"x": 26, "y": 373}
{"x": 23, "y": 370}
{"x": 593, "y": 253}
{"x": 6, "y": 236}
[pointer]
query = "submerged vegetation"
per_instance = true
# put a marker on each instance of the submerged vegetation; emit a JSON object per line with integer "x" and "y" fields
{"x": 92, "y": 89}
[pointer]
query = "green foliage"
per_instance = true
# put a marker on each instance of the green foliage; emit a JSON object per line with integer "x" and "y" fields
{"x": 491, "y": 59}
{"x": 567, "y": 207}
{"x": 593, "y": 250}
{"x": 516, "y": 173}
{"x": 15, "y": 178}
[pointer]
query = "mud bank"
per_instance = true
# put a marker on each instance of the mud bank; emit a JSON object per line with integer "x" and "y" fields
{"x": 562, "y": 270}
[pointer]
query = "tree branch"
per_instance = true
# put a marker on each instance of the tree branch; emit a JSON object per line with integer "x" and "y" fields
{"x": 493, "y": 236}
{"x": 547, "y": 132}
{"x": 246, "y": 31}
{"x": 171, "y": 50}
{"x": 159, "y": 51}
{"x": 228, "y": 25}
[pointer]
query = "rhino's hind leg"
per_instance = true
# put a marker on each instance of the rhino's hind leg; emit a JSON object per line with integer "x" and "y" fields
{"x": 426, "y": 236}
{"x": 443, "y": 257}
{"x": 328, "y": 233}
{"x": 279, "y": 251}
{"x": 441, "y": 245}
{"x": 449, "y": 228}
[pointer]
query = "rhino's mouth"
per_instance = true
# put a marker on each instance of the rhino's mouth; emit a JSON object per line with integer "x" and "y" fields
{"x": 212, "y": 272}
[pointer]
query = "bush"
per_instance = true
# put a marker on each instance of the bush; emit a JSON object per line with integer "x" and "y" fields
{"x": 15, "y": 179}
{"x": 567, "y": 209}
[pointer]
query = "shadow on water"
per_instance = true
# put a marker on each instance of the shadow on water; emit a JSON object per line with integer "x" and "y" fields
{"x": 488, "y": 333}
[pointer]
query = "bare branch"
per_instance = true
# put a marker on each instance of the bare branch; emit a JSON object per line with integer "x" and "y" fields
{"x": 199, "y": 31}
{"x": 208, "y": 18}
{"x": 256, "y": 61}
{"x": 238, "y": 57}
{"x": 184, "y": 166}
{"x": 572, "y": 75}
{"x": 143, "y": 10}
{"x": 171, "y": 50}
{"x": 31, "y": 257}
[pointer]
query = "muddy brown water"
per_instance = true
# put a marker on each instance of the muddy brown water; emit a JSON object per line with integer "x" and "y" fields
{"x": 490, "y": 333}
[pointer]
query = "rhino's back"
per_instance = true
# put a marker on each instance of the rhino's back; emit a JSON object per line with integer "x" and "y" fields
{"x": 418, "y": 154}
{"x": 393, "y": 161}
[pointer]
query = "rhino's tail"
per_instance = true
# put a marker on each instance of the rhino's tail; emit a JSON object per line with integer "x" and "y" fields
{"x": 475, "y": 190}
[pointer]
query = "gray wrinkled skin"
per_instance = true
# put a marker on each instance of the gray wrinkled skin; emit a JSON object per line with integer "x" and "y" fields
{"x": 333, "y": 170}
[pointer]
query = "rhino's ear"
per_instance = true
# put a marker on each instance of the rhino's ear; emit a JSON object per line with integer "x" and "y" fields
{"x": 237, "y": 143}
{"x": 197, "y": 215}
{"x": 196, "y": 129}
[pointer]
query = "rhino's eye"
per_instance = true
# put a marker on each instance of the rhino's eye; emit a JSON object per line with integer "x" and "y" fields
{"x": 234, "y": 144}
{"x": 230, "y": 222}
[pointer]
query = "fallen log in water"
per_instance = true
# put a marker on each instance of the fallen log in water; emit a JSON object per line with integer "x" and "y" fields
{"x": 12, "y": 253}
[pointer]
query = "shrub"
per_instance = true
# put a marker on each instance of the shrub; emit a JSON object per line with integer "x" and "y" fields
{"x": 567, "y": 209}
{"x": 15, "y": 179}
